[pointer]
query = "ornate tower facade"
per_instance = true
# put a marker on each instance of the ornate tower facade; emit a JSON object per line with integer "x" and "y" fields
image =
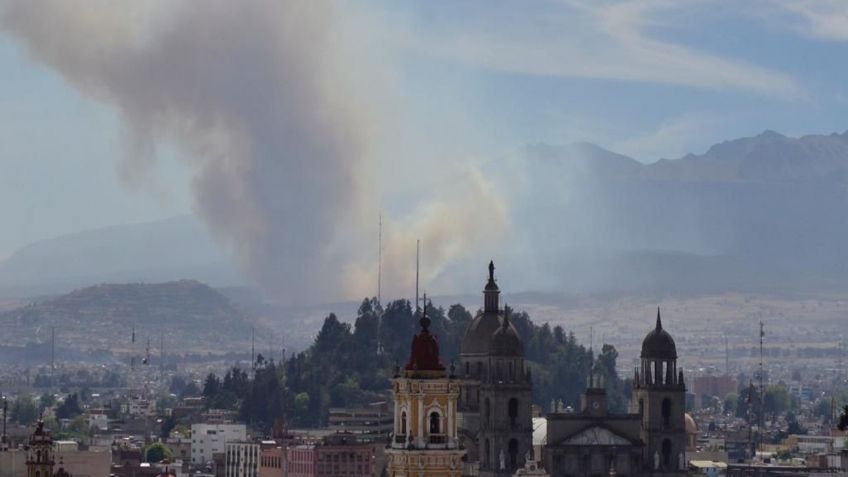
{"x": 40, "y": 453}
{"x": 425, "y": 429}
{"x": 660, "y": 398}
{"x": 497, "y": 389}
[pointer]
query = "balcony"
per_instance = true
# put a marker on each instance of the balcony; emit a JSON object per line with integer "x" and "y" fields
{"x": 438, "y": 439}
{"x": 400, "y": 439}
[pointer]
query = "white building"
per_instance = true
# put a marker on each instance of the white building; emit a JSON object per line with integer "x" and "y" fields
{"x": 208, "y": 439}
{"x": 242, "y": 459}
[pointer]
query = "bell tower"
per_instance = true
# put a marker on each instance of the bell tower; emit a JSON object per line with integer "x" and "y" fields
{"x": 39, "y": 461}
{"x": 425, "y": 429}
{"x": 660, "y": 398}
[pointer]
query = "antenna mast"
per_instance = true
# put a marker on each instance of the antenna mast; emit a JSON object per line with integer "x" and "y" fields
{"x": 52, "y": 357}
{"x": 380, "y": 260}
{"x": 726, "y": 358}
{"x": 253, "y": 348}
{"x": 761, "y": 420}
{"x": 417, "y": 256}
{"x": 162, "y": 352}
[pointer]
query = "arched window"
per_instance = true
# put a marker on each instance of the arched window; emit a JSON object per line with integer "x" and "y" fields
{"x": 435, "y": 428}
{"x": 666, "y": 412}
{"x": 642, "y": 407}
{"x": 511, "y": 370}
{"x": 487, "y": 412}
{"x": 513, "y": 454}
{"x": 403, "y": 423}
{"x": 666, "y": 453}
{"x": 487, "y": 452}
{"x": 512, "y": 410}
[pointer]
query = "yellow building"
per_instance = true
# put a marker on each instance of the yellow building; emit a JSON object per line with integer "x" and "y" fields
{"x": 425, "y": 439}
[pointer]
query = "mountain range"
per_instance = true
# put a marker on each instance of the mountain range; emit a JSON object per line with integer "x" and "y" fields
{"x": 759, "y": 213}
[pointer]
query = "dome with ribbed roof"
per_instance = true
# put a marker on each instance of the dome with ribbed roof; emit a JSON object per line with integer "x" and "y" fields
{"x": 505, "y": 340}
{"x": 658, "y": 344}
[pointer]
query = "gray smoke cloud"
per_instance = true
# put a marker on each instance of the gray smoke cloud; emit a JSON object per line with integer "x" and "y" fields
{"x": 272, "y": 105}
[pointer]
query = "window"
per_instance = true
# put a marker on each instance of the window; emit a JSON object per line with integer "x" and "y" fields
{"x": 666, "y": 453}
{"x": 435, "y": 428}
{"x": 403, "y": 423}
{"x": 513, "y": 454}
{"x": 666, "y": 412}
{"x": 513, "y": 411}
{"x": 487, "y": 412}
{"x": 487, "y": 453}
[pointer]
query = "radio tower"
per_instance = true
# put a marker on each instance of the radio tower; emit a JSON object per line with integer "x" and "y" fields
{"x": 380, "y": 260}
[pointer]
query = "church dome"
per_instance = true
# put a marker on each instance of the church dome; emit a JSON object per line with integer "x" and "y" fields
{"x": 479, "y": 334}
{"x": 425, "y": 349}
{"x": 506, "y": 341}
{"x": 658, "y": 344}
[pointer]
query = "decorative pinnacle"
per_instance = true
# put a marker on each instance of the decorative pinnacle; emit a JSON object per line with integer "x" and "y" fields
{"x": 505, "y": 323}
{"x": 425, "y": 321}
{"x": 659, "y": 321}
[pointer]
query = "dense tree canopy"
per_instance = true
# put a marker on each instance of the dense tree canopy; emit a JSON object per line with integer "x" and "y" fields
{"x": 351, "y": 365}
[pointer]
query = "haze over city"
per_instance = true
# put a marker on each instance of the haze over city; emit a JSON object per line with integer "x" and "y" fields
{"x": 229, "y": 213}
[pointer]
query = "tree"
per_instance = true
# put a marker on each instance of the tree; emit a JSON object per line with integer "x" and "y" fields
{"x": 776, "y": 400}
{"x": 46, "y": 401}
{"x": 157, "y": 452}
{"x": 843, "y": 419}
{"x": 69, "y": 408}
{"x": 211, "y": 386}
{"x": 24, "y": 410}
{"x": 730, "y": 403}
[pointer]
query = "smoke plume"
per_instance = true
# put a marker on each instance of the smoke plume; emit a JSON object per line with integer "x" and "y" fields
{"x": 272, "y": 105}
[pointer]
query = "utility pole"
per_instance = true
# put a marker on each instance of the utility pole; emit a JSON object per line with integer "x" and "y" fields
{"x": 726, "y": 358}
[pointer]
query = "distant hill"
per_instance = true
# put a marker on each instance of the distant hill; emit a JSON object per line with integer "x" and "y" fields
{"x": 176, "y": 248}
{"x": 189, "y": 315}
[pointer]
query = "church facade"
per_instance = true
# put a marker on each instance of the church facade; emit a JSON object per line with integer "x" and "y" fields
{"x": 649, "y": 440}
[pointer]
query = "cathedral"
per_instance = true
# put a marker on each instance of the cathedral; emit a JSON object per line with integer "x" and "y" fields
{"x": 478, "y": 421}
{"x": 649, "y": 440}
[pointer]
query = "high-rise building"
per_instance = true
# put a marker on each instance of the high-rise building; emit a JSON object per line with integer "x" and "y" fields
{"x": 425, "y": 418}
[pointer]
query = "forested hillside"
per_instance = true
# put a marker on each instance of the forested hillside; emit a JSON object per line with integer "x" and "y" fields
{"x": 351, "y": 365}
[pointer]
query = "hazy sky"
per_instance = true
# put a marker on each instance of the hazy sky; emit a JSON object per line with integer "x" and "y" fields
{"x": 476, "y": 79}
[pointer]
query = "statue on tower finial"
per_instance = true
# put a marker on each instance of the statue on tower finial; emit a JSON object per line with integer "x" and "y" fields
{"x": 491, "y": 269}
